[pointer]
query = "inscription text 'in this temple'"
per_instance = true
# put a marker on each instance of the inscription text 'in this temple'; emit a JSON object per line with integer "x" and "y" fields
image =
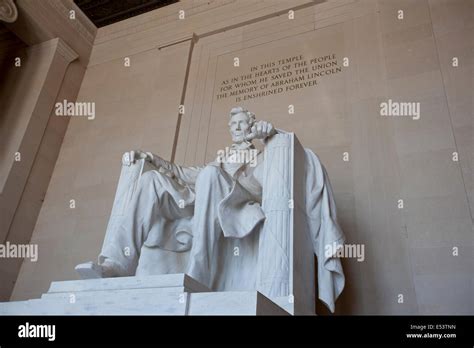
{"x": 278, "y": 76}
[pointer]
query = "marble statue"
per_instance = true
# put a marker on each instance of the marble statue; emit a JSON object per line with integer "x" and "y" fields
{"x": 189, "y": 209}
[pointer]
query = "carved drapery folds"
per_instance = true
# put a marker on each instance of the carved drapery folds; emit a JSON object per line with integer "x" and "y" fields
{"x": 8, "y": 11}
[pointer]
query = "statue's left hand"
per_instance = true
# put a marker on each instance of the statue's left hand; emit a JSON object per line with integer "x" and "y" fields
{"x": 261, "y": 130}
{"x": 130, "y": 157}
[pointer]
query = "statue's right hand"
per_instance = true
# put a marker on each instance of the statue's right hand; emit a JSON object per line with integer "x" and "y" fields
{"x": 130, "y": 157}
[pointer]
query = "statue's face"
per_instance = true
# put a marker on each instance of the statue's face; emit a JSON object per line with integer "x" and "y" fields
{"x": 239, "y": 127}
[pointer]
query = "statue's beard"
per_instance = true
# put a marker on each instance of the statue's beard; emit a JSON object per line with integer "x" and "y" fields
{"x": 239, "y": 138}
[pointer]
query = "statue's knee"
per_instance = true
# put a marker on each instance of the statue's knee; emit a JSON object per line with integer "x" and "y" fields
{"x": 209, "y": 174}
{"x": 152, "y": 181}
{"x": 147, "y": 178}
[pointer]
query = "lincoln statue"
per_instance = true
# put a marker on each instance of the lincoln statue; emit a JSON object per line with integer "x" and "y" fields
{"x": 189, "y": 209}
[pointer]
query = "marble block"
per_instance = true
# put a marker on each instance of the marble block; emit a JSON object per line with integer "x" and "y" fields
{"x": 169, "y": 294}
{"x": 233, "y": 303}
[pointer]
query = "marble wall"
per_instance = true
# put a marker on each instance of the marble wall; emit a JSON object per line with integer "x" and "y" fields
{"x": 418, "y": 258}
{"x": 43, "y": 57}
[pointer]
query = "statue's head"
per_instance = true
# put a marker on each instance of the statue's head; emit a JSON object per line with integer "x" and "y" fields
{"x": 240, "y": 123}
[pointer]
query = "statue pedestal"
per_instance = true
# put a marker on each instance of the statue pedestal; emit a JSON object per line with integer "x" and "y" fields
{"x": 168, "y": 294}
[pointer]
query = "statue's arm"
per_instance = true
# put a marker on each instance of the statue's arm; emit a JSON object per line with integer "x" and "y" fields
{"x": 187, "y": 175}
{"x": 184, "y": 175}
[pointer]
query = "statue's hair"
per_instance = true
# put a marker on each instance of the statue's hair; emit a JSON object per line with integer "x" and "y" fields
{"x": 239, "y": 110}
